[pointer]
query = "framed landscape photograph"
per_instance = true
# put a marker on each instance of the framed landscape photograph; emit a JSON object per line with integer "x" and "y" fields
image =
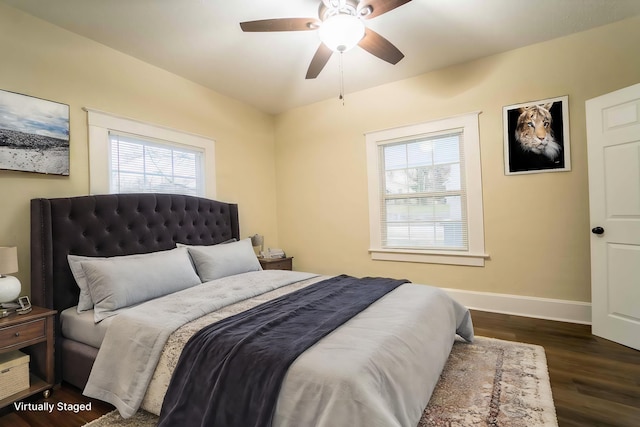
{"x": 34, "y": 134}
{"x": 536, "y": 137}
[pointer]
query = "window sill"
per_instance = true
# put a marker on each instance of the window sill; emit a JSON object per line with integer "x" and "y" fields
{"x": 431, "y": 257}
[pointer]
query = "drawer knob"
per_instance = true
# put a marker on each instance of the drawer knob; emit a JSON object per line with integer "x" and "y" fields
{"x": 17, "y": 334}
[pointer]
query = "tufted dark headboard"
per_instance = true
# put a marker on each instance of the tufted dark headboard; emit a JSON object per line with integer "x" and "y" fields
{"x": 115, "y": 224}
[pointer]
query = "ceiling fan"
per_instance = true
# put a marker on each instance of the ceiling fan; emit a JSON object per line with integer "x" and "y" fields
{"x": 341, "y": 27}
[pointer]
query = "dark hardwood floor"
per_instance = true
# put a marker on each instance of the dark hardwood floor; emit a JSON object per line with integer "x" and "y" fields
{"x": 60, "y": 417}
{"x": 595, "y": 382}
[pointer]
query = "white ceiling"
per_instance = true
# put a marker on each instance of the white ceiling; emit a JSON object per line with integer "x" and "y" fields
{"x": 202, "y": 41}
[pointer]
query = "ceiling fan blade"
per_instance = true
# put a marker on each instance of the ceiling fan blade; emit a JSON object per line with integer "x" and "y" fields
{"x": 318, "y": 62}
{"x": 377, "y": 45}
{"x": 371, "y": 8}
{"x": 281, "y": 24}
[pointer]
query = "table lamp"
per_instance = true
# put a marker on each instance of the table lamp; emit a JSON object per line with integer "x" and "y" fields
{"x": 9, "y": 286}
{"x": 258, "y": 240}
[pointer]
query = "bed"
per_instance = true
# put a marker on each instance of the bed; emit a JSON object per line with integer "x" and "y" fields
{"x": 420, "y": 319}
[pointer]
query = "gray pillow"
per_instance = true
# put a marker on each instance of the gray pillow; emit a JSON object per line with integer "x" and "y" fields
{"x": 119, "y": 282}
{"x": 84, "y": 301}
{"x": 217, "y": 261}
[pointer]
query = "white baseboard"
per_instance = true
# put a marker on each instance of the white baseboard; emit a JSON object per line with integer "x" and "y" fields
{"x": 541, "y": 308}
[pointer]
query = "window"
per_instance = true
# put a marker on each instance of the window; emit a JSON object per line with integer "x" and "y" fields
{"x": 142, "y": 165}
{"x": 425, "y": 193}
{"x": 128, "y": 156}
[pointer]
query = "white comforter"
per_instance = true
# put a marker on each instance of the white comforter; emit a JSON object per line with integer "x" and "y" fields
{"x": 378, "y": 369}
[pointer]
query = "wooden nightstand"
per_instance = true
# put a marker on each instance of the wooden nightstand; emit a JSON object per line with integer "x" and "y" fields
{"x": 276, "y": 263}
{"x": 32, "y": 332}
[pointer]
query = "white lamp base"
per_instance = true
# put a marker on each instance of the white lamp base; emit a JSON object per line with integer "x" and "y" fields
{"x": 9, "y": 288}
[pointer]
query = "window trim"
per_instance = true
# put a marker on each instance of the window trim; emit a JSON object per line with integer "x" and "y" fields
{"x": 475, "y": 255}
{"x": 100, "y": 123}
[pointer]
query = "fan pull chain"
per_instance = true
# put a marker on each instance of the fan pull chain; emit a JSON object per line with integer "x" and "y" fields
{"x": 341, "y": 97}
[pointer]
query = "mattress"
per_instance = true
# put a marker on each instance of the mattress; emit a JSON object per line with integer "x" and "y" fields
{"x": 81, "y": 327}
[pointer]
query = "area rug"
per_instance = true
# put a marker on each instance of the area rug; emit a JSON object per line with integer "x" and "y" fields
{"x": 488, "y": 383}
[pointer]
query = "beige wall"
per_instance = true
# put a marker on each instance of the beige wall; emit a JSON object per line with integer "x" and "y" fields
{"x": 45, "y": 61}
{"x": 536, "y": 225}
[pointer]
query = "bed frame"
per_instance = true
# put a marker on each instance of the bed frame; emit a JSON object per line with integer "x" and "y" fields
{"x": 111, "y": 225}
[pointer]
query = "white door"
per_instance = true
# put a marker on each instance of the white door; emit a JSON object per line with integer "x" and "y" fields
{"x": 613, "y": 143}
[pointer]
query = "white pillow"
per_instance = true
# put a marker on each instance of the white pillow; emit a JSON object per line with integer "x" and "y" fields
{"x": 217, "y": 261}
{"x": 120, "y": 282}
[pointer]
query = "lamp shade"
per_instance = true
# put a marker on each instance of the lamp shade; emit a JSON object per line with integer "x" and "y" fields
{"x": 341, "y": 32}
{"x": 257, "y": 240}
{"x": 8, "y": 259}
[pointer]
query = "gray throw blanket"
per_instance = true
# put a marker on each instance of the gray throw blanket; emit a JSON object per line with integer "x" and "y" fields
{"x": 230, "y": 373}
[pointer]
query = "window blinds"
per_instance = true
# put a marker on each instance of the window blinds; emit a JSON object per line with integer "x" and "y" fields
{"x": 141, "y": 165}
{"x": 423, "y": 199}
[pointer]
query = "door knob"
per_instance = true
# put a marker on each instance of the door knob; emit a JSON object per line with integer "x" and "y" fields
{"x": 597, "y": 230}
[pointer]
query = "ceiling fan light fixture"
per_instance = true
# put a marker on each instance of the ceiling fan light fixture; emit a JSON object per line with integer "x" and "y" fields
{"x": 341, "y": 32}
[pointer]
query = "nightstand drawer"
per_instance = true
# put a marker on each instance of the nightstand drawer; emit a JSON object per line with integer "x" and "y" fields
{"x": 19, "y": 334}
{"x": 276, "y": 263}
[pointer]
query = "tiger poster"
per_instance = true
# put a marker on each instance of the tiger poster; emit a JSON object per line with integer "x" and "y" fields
{"x": 536, "y": 136}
